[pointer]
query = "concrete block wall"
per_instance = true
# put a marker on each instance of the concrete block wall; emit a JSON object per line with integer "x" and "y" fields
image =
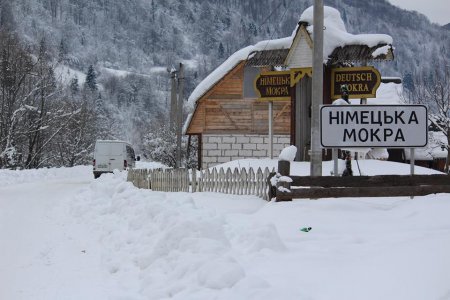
{"x": 221, "y": 148}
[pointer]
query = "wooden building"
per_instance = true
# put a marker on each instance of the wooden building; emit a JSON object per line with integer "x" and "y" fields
{"x": 228, "y": 115}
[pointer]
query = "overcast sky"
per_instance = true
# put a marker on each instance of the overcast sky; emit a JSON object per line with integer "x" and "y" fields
{"x": 438, "y": 11}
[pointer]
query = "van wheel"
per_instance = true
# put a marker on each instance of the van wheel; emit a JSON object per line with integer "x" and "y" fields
{"x": 96, "y": 175}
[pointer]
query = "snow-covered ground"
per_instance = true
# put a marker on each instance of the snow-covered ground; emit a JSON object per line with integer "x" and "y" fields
{"x": 65, "y": 235}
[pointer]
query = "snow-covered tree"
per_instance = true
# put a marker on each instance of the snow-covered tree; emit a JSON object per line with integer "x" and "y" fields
{"x": 161, "y": 145}
{"x": 74, "y": 86}
{"x": 435, "y": 94}
{"x": 39, "y": 124}
{"x": 91, "y": 79}
{"x": 74, "y": 143}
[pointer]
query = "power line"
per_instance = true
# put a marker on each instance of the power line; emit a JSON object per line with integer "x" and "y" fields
{"x": 282, "y": 18}
{"x": 265, "y": 20}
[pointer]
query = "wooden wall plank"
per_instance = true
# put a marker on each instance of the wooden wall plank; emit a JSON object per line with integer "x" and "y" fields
{"x": 224, "y": 109}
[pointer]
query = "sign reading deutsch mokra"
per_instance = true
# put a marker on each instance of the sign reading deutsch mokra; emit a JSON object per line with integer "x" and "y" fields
{"x": 391, "y": 126}
{"x": 362, "y": 82}
{"x": 274, "y": 85}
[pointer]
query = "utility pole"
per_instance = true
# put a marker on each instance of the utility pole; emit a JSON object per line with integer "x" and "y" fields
{"x": 173, "y": 98}
{"x": 317, "y": 90}
{"x": 363, "y": 101}
{"x": 180, "y": 113}
{"x": 271, "y": 129}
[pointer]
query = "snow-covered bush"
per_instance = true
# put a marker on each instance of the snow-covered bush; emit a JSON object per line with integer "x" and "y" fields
{"x": 161, "y": 145}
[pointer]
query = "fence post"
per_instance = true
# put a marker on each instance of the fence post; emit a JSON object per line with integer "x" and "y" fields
{"x": 237, "y": 181}
{"x": 251, "y": 176}
{"x": 244, "y": 177}
{"x": 186, "y": 180}
{"x": 284, "y": 168}
{"x": 206, "y": 181}
{"x": 194, "y": 180}
{"x": 266, "y": 185}
{"x": 200, "y": 181}
{"x": 259, "y": 176}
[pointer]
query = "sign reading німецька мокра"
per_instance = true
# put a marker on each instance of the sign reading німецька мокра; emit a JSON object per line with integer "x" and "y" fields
{"x": 273, "y": 85}
{"x": 401, "y": 126}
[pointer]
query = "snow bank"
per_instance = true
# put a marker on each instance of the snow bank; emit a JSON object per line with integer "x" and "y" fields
{"x": 150, "y": 165}
{"x": 138, "y": 244}
{"x": 288, "y": 153}
{"x": 169, "y": 245}
{"x": 166, "y": 242}
{"x": 11, "y": 177}
{"x": 301, "y": 168}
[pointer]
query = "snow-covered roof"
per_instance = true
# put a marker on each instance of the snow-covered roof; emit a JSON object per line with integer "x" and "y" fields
{"x": 268, "y": 58}
{"x": 216, "y": 75}
{"x": 336, "y": 35}
{"x": 231, "y": 62}
{"x": 387, "y": 94}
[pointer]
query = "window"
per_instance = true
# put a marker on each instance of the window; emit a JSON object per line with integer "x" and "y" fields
{"x": 130, "y": 152}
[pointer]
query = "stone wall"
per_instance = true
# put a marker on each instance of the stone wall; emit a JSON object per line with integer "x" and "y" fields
{"x": 221, "y": 148}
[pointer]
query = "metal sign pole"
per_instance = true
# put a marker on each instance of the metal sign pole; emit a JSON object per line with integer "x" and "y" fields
{"x": 271, "y": 129}
{"x": 412, "y": 160}
{"x": 335, "y": 161}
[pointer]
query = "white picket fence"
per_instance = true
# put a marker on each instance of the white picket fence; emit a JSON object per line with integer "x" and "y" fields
{"x": 237, "y": 182}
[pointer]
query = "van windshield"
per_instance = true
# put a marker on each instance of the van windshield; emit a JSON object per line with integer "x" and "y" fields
{"x": 130, "y": 152}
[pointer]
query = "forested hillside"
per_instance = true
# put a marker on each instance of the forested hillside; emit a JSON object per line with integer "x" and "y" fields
{"x": 128, "y": 46}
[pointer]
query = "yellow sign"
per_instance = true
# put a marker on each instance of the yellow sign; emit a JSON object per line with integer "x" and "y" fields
{"x": 273, "y": 86}
{"x": 298, "y": 73}
{"x": 276, "y": 85}
{"x": 362, "y": 82}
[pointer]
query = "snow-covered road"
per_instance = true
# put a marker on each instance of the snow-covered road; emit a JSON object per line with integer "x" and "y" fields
{"x": 65, "y": 235}
{"x": 44, "y": 253}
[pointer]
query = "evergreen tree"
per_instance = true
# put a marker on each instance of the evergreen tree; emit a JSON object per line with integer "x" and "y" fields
{"x": 62, "y": 51}
{"x": 221, "y": 51}
{"x": 408, "y": 82}
{"x": 252, "y": 28}
{"x": 74, "y": 87}
{"x": 91, "y": 79}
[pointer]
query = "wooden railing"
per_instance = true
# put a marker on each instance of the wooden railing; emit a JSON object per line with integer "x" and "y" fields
{"x": 237, "y": 182}
{"x": 360, "y": 186}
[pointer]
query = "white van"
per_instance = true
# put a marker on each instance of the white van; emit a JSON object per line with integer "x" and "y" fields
{"x": 110, "y": 155}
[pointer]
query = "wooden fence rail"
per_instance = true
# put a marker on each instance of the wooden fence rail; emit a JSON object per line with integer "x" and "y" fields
{"x": 238, "y": 182}
{"x": 361, "y": 186}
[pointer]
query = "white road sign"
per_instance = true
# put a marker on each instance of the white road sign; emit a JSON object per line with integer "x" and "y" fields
{"x": 346, "y": 126}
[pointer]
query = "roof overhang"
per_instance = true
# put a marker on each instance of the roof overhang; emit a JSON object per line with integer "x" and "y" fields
{"x": 265, "y": 58}
{"x": 361, "y": 53}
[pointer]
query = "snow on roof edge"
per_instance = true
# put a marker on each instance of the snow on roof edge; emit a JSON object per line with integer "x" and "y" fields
{"x": 232, "y": 61}
{"x": 336, "y": 35}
